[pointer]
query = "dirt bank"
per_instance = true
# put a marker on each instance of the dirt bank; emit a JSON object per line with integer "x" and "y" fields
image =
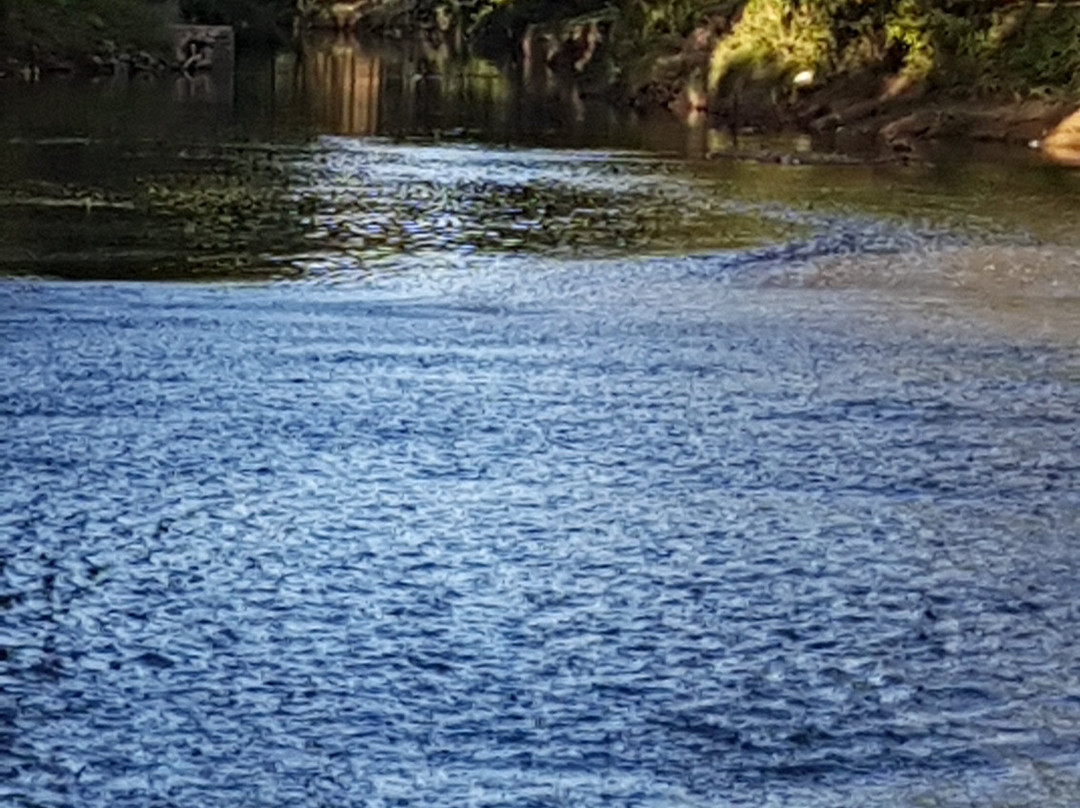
{"x": 874, "y": 118}
{"x": 899, "y": 121}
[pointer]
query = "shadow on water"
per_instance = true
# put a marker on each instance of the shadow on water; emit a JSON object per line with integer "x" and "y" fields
{"x": 341, "y": 155}
{"x": 335, "y": 156}
{"x": 345, "y": 87}
{"x": 338, "y": 85}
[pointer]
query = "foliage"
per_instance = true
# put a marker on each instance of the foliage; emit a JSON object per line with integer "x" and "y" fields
{"x": 512, "y": 17}
{"x": 990, "y": 45}
{"x": 977, "y": 44}
{"x": 63, "y": 29}
{"x": 74, "y": 28}
{"x": 1043, "y": 50}
{"x": 668, "y": 17}
{"x": 774, "y": 38}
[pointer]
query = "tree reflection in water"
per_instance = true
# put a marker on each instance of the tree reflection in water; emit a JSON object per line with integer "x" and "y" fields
{"x": 345, "y": 85}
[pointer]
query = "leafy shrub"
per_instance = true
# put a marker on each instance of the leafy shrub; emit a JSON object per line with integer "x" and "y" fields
{"x": 773, "y": 38}
{"x": 976, "y": 44}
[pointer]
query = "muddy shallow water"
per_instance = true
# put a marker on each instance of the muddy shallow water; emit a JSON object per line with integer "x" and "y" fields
{"x": 478, "y": 473}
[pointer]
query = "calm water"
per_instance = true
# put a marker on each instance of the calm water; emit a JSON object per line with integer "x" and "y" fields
{"x": 483, "y": 474}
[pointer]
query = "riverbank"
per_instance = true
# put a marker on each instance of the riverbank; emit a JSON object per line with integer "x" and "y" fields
{"x": 885, "y": 78}
{"x": 873, "y": 109}
{"x": 861, "y": 119}
{"x": 872, "y": 84}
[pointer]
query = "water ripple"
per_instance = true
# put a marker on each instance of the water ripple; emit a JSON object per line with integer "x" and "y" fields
{"x": 536, "y": 536}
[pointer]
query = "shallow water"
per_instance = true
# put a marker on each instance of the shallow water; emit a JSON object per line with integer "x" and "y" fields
{"x": 529, "y": 476}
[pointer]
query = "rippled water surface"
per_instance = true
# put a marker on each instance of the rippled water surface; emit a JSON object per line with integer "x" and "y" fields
{"x": 503, "y": 476}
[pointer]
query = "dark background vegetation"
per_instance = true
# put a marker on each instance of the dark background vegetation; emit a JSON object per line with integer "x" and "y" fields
{"x": 46, "y": 30}
{"x": 982, "y": 45}
{"x": 968, "y": 45}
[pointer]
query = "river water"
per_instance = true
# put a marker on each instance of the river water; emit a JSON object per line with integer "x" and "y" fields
{"x": 372, "y": 436}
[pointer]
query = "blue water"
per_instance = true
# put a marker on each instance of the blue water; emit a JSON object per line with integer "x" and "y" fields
{"x": 533, "y": 532}
{"x": 551, "y": 478}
